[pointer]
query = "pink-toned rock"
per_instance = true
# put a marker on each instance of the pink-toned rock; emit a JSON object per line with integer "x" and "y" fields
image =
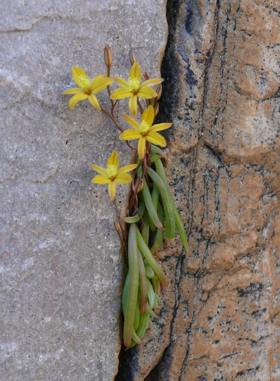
{"x": 222, "y": 94}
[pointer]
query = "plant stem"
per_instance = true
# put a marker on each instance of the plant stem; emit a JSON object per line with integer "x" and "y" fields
{"x": 107, "y": 113}
{"x": 113, "y": 119}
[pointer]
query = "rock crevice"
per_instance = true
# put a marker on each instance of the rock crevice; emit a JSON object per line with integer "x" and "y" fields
{"x": 220, "y": 92}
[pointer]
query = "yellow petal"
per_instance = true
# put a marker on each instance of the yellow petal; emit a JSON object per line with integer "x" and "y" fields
{"x": 99, "y": 83}
{"x": 147, "y": 92}
{"x": 141, "y": 148}
{"x": 131, "y": 121}
{"x": 127, "y": 168}
{"x": 102, "y": 180}
{"x": 76, "y": 98}
{"x": 135, "y": 72}
{"x": 148, "y": 115}
{"x": 80, "y": 76}
{"x": 132, "y": 104}
{"x": 130, "y": 135}
{"x": 123, "y": 178}
{"x": 99, "y": 169}
{"x": 153, "y": 81}
{"x": 156, "y": 138}
{"x": 120, "y": 93}
{"x": 122, "y": 82}
{"x": 73, "y": 90}
{"x": 113, "y": 160}
{"x": 94, "y": 102}
{"x": 112, "y": 190}
{"x": 160, "y": 127}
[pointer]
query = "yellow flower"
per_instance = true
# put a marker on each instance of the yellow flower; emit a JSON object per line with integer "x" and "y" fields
{"x": 87, "y": 87}
{"x": 134, "y": 89}
{"x": 145, "y": 131}
{"x": 113, "y": 175}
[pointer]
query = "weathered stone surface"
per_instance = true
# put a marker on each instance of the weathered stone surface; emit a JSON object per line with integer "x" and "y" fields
{"x": 60, "y": 265}
{"x": 222, "y": 93}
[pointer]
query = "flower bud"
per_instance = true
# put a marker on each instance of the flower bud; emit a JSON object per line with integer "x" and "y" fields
{"x": 156, "y": 107}
{"x": 159, "y": 92}
{"x": 132, "y": 57}
{"x": 140, "y": 185}
{"x": 146, "y": 76}
{"x": 108, "y": 56}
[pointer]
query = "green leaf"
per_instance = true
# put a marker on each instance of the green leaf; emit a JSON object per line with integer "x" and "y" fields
{"x": 132, "y": 219}
{"x": 156, "y": 285}
{"x": 179, "y": 223}
{"x": 125, "y": 294}
{"x": 143, "y": 285}
{"x": 136, "y": 338}
{"x": 137, "y": 317}
{"x": 166, "y": 201}
{"x": 155, "y": 199}
{"x": 156, "y": 150}
{"x": 159, "y": 236}
{"x": 154, "y": 158}
{"x": 151, "y": 295}
{"x": 141, "y": 208}
{"x": 150, "y": 206}
{"x": 181, "y": 230}
{"x": 133, "y": 285}
{"x": 150, "y": 260}
{"x": 149, "y": 272}
{"x": 143, "y": 325}
{"x": 158, "y": 242}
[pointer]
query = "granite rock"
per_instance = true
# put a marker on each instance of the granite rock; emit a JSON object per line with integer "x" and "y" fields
{"x": 222, "y": 94}
{"x": 61, "y": 271}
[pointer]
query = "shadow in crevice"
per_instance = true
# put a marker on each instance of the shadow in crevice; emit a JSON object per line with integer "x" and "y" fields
{"x": 128, "y": 360}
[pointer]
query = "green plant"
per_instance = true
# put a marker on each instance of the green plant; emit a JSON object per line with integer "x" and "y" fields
{"x": 151, "y": 214}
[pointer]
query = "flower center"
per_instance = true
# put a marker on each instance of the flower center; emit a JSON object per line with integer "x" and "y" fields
{"x": 134, "y": 85}
{"x": 112, "y": 172}
{"x": 144, "y": 128}
{"x": 87, "y": 90}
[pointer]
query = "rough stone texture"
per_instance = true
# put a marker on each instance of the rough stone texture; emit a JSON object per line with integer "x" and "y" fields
{"x": 222, "y": 93}
{"x": 60, "y": 265}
